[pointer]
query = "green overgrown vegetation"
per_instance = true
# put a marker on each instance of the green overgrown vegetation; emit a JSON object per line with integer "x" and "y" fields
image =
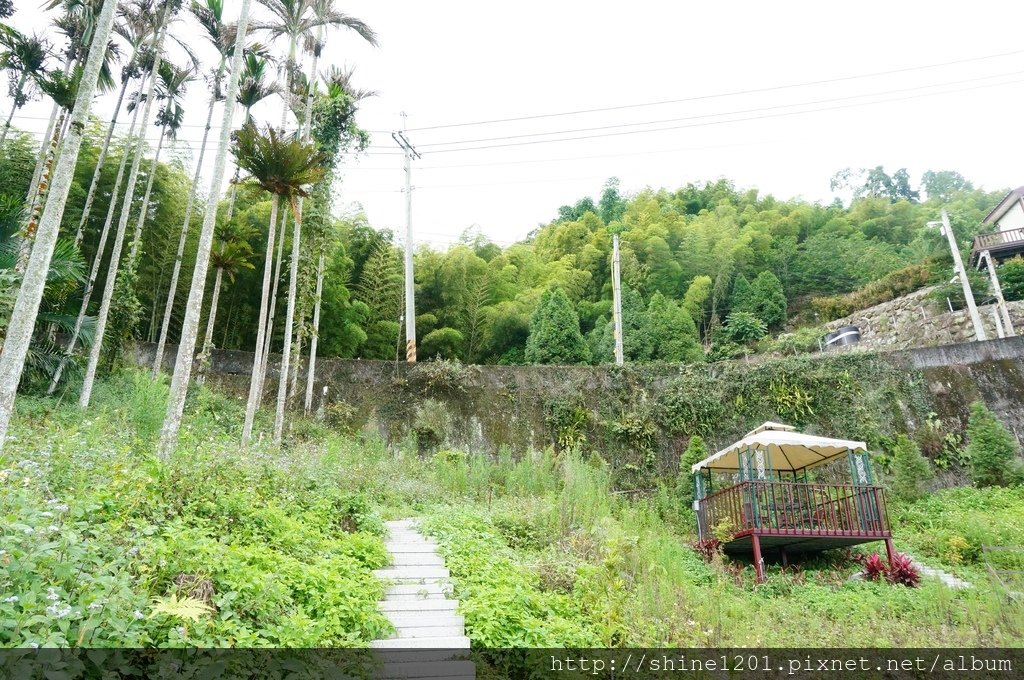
{"x": 105, "y": 546}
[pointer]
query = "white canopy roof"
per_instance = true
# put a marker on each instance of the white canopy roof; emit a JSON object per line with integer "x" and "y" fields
{"x": 787, "y": 449}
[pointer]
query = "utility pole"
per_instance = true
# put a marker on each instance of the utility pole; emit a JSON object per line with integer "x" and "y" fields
{"x": 617, "y": 299}
{"x": 410, "y": 302}
{"x": 972, "y": 309}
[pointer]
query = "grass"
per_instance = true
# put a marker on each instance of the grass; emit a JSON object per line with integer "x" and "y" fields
{"x": 104, "y": 546}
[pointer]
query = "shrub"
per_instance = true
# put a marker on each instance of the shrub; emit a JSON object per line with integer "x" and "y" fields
{"x": 744, "y": 327}
{"x": 708, "y": 549}
{"x": 991, "y": 448}
{"x": 902, "y": 571}
{"x": 874, "y": 567}
{"x": 910, "y": 470}
{"x": 1011, "y": 278}
{"x": 696, "y": 451}
{"x": 893, "y": 285}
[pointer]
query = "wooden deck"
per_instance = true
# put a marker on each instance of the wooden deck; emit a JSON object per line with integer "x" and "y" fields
{"x": 794, "y": 517}
{"x": 1001, "y": 245}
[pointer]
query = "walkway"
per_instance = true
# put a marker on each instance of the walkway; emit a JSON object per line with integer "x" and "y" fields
{"x": 418, "y": 606}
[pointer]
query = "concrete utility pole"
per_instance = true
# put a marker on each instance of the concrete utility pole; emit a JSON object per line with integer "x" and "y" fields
{"x": 972, "y": 309}
{"x": 617, "y": 299}
{"x": 410, "y": 302}
{"x": 998, "y": 290}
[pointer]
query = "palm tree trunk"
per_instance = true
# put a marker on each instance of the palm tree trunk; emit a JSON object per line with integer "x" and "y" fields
{"x": 257, "y": 361}
{"x": 14, "y": 106}
{"x": 194, "y": 306}
{"x": 99, "y": 165}
{"x": 28, "y": 234}
{"x": 90, "y": 285}
{"x": 268, "y": 336}
{"x": 33, "y": 187}
{"x": 311, "y": 369}
{"x": 173, "y": 290}
{"x": 133, "y": 252}
{"x": 212, "y": 317}
{"x": 293, "y": 381}
{"x": 293, "y": 275}
{"x": 122, "y": 226}
{"x": 26, "y": 306}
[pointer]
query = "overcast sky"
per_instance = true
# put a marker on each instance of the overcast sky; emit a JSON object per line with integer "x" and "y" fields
{"x": 447, "y": 63}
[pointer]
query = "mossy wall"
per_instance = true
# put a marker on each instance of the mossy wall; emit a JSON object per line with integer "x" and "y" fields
{"x": 639, "y": 418}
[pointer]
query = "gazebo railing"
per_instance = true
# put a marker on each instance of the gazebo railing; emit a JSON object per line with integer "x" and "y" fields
{"x": 795, "y": 508}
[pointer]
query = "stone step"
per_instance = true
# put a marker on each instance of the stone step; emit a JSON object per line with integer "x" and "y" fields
{"x": 402, "y": 620}
{"x": 419, "y": 655}
{"x": 417, "y": 605}
{"x": 424, "y": 559}
{"x": 411, "y": 522}
{"x": 412, "y": 572}
{"x": 440, "y": 642}
{"x": 430, "y": 631}
{"x": 410, "y": 547}
{"x": 423, "y": 581}
{"x": 417, "y": 591}
{"x": 428, "y": 669}
{"x": 405, "y": 536}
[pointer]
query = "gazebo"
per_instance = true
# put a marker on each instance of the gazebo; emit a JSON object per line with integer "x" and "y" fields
{"x": 775, "y": 491}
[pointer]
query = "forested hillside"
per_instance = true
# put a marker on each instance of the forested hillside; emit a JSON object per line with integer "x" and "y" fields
{"x": 693, "y": 258}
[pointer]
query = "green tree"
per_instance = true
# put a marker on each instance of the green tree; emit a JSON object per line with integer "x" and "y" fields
{"x": 991, "y": 448}
{"x": 739, "y": 298}
{"x": 443, "y": 343}
{"x": 910, "y": 470}
{"x": 671, "y": 332}
{"x": 555, "y": 336}
{"x": 767, "y": 300}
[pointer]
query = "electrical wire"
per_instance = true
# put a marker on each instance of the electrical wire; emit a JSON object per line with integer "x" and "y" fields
{"x": 728, "y": 113}
{"x": 725, "y": 94}
{"x": 723, "y": 122}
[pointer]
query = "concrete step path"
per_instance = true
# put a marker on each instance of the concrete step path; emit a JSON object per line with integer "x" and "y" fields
{"x": 418, "y": 605}
{"x": 947, "y": 578}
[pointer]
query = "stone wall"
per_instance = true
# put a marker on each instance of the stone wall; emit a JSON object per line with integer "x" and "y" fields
{"x": 916, "y": 321}
{"x": 641, "y": 417}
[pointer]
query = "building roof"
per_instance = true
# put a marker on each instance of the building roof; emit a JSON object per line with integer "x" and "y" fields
{"x": 787, "y": 449}
{"x": 1005, "y": 204}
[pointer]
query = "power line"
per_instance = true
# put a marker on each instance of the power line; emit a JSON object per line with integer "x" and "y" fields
{"x": 730, "y": 113}
{"x": 722, "y": 122}
{"x": 724, "y": 94}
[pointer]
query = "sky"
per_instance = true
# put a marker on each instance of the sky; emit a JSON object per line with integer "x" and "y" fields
{"x": 775, "y": 96}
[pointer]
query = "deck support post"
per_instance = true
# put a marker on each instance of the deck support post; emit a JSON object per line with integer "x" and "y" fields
{"x": 785, "y": 557}
{"x": 890, "y": 551}
{"x": 755, "y": 541}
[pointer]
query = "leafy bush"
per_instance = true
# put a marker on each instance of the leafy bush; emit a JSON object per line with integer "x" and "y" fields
{"x": 889, "y": 287}
{"x": 696, "y": 451}
{"x": 743, "y": 327}
{"x": 874, "y": 567}
{"x": 991, "y": 448}
{"x": 1011, "y": 278}
{"x": 903, "y": 572}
